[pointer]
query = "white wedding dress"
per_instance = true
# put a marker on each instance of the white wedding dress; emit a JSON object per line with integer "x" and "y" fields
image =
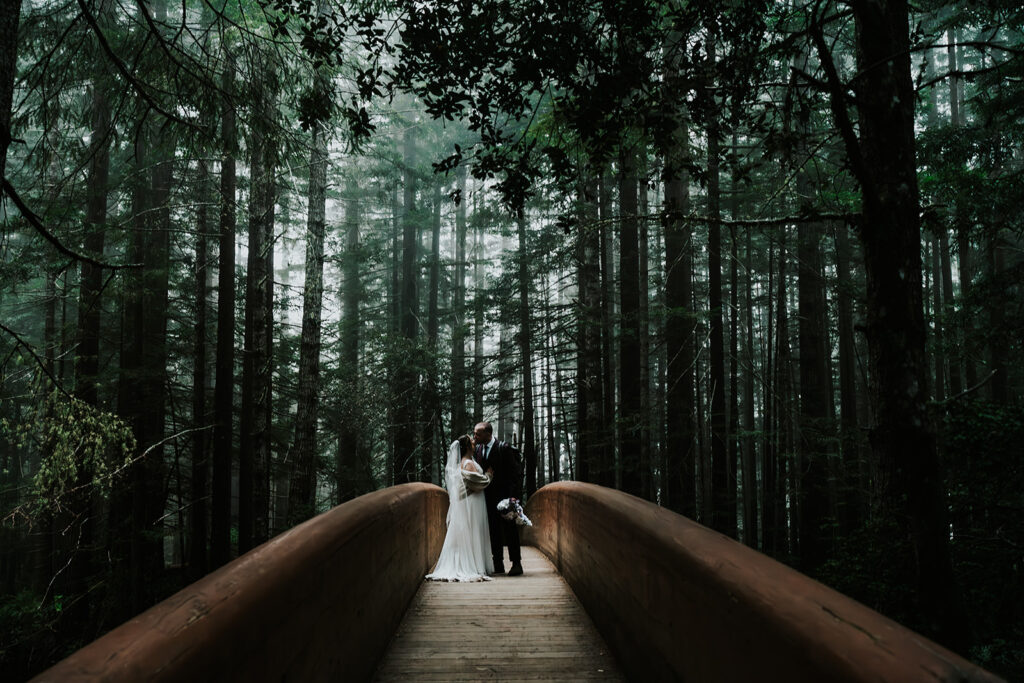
{"x": 466, "y": 553}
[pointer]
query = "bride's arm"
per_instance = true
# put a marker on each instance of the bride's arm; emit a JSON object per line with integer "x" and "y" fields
{"x": 474, "y": 478}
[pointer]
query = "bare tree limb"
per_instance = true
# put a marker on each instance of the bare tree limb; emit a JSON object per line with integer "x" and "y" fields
{"x": 35, "y": 356}
{"x": 37, "y": 223}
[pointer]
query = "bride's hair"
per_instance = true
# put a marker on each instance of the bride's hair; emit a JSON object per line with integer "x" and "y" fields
{"x": 466, "y": 443}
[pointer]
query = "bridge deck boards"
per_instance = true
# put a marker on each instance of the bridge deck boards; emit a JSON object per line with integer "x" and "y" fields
{"x": 528, "y": 628}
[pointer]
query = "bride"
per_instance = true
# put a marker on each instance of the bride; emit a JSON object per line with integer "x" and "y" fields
{"x": 466, "y": 554}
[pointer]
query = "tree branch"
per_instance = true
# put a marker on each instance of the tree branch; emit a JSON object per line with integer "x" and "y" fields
{"x": 35, "y": 356}
{"x": 123, "y": 70}
{"x": 37, "y": 223}
{"x": 837, "y": 102}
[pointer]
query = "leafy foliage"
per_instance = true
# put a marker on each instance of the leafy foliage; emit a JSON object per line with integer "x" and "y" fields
{"x": 83, "y": 449}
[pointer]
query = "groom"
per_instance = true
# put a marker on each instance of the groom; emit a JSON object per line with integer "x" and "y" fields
{"x": 503, "y": 462}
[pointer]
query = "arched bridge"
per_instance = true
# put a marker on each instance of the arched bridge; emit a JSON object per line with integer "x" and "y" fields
{"x": 660, "y": 598}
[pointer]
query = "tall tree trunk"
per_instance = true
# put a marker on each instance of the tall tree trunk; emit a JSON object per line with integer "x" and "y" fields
{"x": 769, "y": 455}
{"x": 80, "y": 529}
{"x": 302, "y": 491}
{"x": 814, "y": 522}
{"x": 854, "y": 502}
{"x": 938, "y": 342}
{"x": 460, "y": 416}
{"x": 815, "y": 397}
{"x": 254, "y": 470}
{"x": 723, "y": 485}
{"x": 629, "y": 337}
{"x": 551, "y": 377}
{"x": 10, "y": 12}
{"x": 478, "y": 325}
{"x": 956, "y": 384}
{"x": 777, "y": 370}
{"x": 747, "y": 453}
{"x": 247, "y": 418}
{"x": 131, "y": 380}
{"x": 998, "y": 346}
{"x": 199, "y": 510}
{"x": 406, "y": 377}
{"x": 528, "y": 445}
{"x": 883, "y": 158}
{"x": 604, "y": 471}
{"x": 396, "y": 260}
{"x": 733, "y": 426}
{"x": 150, "y": 472}
{"x": 263, "y": 352}
{"x": 955, "y": 93}
{"x": 224, "y": 382}
{"x": 354, "y": 475}
{"x": 432, "y": 467}
{"x": 962, "y": 229}
{"x": 679, "y": 484}
{"x": 644, "y": 327}
{"x": 91, "y": 276}
{"x": 589, "y": 401}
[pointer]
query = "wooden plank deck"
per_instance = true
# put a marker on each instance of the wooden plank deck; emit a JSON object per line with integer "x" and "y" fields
{"x": 523, "y": 628}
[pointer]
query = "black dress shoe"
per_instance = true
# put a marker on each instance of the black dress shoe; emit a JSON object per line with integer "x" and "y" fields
{"x": 500, "y": 569}
{"x": 516, "y": 569}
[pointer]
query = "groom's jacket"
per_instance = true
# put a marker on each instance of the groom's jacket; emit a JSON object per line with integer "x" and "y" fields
{"x": 508, "y": 477}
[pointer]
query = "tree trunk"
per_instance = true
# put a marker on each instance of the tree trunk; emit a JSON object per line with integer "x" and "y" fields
{"x": 884, "y": 160}
{"x": 353, "y": 471}
{"x": 478, "y": 325}
{"x": 629, "y": 336}
{"x": 223, "y": 393}
{"x": 551, "y": 377}
{"x": 528, "y": 445}
{"x": 589, "y": 401}
{"x": 254, "y": 470}
{"x": 644, "y": 326}
{"x": 432, "y": 466}
{"x": 396, "y": 260}
{"x": 815, "y": 397}
{"x": 748, "y": 455}
{"x": 679, "y": 485}
{"x": 938, "y": 343}
{"x": 10, "y": 11}
{"x": 723, "y": 485}
{"x": 777, "y": 337}
{"x": 733, "y": 427}
{"x": 199, "y": 510}
{"x": 302, "y": 491}
{"x": 460, "y": 416}
{"x": 406, "y": 377}
{"x": 91, "y": 276}
{"x": 854, "y": 498}
{"x": 604, "y": 471}
{"x": 80, "y": 528}
{"x": 148, "y": 490}
{"x": 956, "y": 384}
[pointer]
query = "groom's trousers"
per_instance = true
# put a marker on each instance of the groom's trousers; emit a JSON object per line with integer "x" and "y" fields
{"x": 503, "y": 532}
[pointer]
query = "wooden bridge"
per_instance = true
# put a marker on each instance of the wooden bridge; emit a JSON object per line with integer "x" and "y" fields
{"x": 615, "y": 588}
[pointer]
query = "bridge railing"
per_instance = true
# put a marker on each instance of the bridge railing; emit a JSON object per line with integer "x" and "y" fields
{"x": 319, "y": 602}
{"x": 677, "y": 601}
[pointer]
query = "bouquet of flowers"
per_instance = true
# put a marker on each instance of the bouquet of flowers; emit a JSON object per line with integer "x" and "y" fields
{"x": 511, "y": 510}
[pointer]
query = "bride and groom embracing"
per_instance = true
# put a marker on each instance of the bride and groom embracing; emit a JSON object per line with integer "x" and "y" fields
{"x": 480, "y": 472}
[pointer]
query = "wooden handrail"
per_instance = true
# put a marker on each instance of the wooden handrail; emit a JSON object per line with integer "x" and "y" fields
{"x": 677, "y": 601}
{"x": 319, "y": 602}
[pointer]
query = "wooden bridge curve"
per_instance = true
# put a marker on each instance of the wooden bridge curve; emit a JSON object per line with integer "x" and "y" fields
{"x": 672, "y": 601}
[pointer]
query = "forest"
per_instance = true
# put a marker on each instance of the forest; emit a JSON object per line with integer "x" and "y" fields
{"x": 759, "y": 262}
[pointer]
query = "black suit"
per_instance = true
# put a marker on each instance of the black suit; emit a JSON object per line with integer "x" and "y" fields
{"x": 505, "y": 483}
